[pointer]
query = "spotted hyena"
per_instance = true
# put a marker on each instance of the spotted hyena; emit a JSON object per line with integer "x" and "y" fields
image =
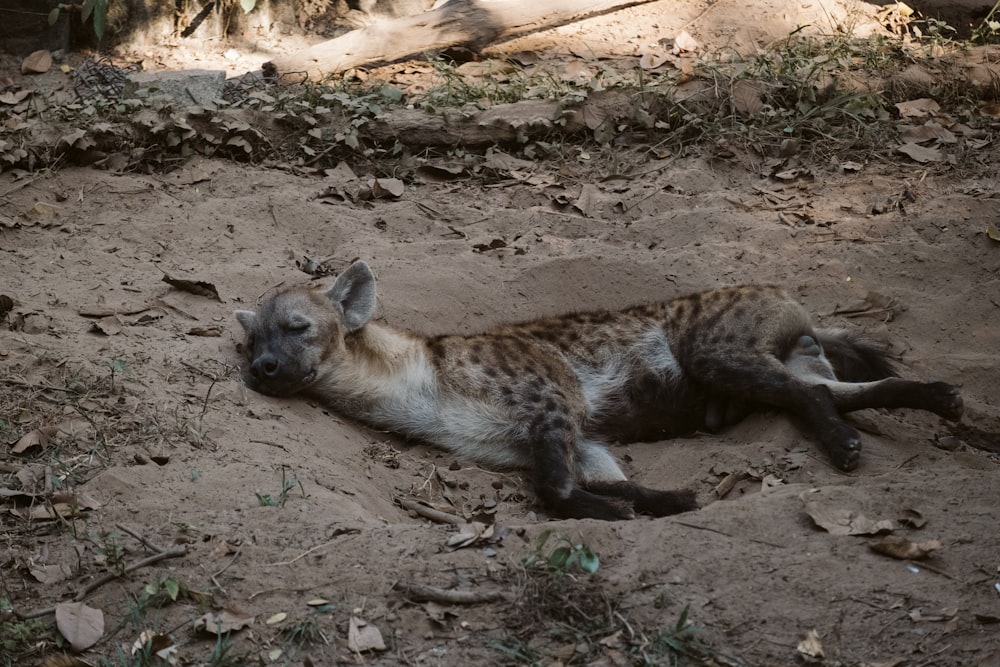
{"x": 548, "y": 395}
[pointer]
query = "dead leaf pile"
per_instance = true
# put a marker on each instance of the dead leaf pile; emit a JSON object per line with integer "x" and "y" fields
{"x": 926, "y": 132}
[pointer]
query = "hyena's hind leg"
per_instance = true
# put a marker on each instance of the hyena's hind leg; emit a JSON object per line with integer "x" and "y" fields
{"x": 758, "y": 378}
{"x": 808, "y": 361}
{"x": 599, "y": 473}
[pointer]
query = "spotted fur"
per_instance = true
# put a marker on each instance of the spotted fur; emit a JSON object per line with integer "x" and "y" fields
{"x": 549, "y": 394}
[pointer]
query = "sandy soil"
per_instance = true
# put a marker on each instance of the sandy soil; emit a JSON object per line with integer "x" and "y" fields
{"x": 158, "y": 429}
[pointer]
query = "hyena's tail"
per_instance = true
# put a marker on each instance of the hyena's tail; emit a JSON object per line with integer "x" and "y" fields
{"x": 854, "y": 357}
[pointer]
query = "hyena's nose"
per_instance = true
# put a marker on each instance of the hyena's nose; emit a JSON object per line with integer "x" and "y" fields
{"x": 265, "y": 366}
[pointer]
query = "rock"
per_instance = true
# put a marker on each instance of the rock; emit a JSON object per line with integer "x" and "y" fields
{"x": 195, "y": 87}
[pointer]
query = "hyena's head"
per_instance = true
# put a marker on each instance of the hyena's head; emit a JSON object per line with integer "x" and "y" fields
{"x": 297, "y": 336}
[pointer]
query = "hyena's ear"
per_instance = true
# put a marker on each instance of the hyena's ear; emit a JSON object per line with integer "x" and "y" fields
{"x": 247, "y": 319}
{"x": 354, "y": 294}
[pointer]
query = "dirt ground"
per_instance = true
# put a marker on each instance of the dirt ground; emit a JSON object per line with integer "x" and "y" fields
{"x": 281, "y": 507}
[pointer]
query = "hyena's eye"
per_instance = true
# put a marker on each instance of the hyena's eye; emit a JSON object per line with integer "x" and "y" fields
{"x": 296, "y": 326}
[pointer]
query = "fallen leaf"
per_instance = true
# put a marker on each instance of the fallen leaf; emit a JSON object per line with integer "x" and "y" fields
{"x": 387, "y": 188}
{"x": 64, "y": 661}
{"x": 39, "y": 438}
{"x": 920, "y": 153}
{"x": 109, "y": 326}
{"x": 14, "y": 98}
{"x": 51, "y": 574}
{"x": 652, "y": 60}
{"x": 37, "y": 62}
{"x": 899, "y": 547}
{"x": 911, "y": 518}
{"x": 811, "y": 646}
{"x": 993, "y": 232}
{"x": 747, "y": 98}
{"x": 929, "y": 131}
{"x": 276, "y": 618}
{"x": 361, "y": 636}
{"x": 684, "y": 42}
{"x": 82, "y": 626}
{"x": 919, "y": 108}
{"x": 197, "y": 287}
{"x": 229, "y": 619}
{"x": 317, "y": 602}
{"x": 840, "y": 520}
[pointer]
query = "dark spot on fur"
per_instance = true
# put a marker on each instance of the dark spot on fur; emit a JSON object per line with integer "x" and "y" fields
{"x": 490, "y": 371}
{"x": 739, "y": 312}
{"x": 507, "y": 370}
{"x": 558, "y": 423}
{"x": 475, "y": 360}
{"x": 752, "y": 341}
{"x": 758, "y": 319}
{"x": 730, "y": 337}
{"x": 534, "y": 397}
{"x": 550, "y": 405}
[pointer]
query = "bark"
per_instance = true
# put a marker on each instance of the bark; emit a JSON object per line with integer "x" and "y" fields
{"x": 471, "y": 24}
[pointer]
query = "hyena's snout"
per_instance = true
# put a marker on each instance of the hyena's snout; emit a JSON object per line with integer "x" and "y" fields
{"x": 265, "y": 367}
{"x": 270, "y": 374}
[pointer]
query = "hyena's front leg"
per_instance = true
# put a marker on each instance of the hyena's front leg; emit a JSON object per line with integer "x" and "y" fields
{"x": 764, "y": 380}
{"x": 599, "y": 472}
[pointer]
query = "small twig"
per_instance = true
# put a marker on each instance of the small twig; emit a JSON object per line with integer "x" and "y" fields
{"x": 430, "y": 513}
{"x": 933, "y": 569}
{"x": 225, "y": 567}
{"x": 715, "y": 530}
{"x": 146, "y": 543}
{"x": 345, "y": 531}
{"x": 422, "y": 593}
{"x": 33, "y": 385}
{"x": 176, "y": 552}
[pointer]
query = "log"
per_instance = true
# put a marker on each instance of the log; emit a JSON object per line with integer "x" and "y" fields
{"x": 471, "y": 24}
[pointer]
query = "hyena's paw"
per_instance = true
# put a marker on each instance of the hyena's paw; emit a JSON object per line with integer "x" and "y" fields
{"x": 843, "y": 444}
{"x": 665, "y": 503}
{"x": 586, "y": 505}
{"x": 946, "y": 399}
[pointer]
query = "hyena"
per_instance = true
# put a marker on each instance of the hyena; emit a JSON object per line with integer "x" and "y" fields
{"x": 549, "y": 395}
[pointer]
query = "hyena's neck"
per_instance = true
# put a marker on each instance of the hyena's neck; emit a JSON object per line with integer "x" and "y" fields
{"x": 382, "y": 375}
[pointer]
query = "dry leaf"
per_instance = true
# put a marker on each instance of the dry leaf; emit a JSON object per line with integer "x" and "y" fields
{"x": 14, "y": 98}
{"x": 920, "y": 153}
{"x": 811, "y": 646}
{"x": 993, "y": 232}
{"x": 652, "y": 60}
{"x": 839, "y": 520}
{"x": 109, "y": 326}
{"x": 747, "y": 98}
{"x": 911, "y": 518}
{"x": 899, "y": 547}
{"x": 51, "y": 574}
{"x": 37, "y": 62}
{"x": 197, "y": 287}
{"x": 920, "y": 108}
{"x": 64, "y": 661}
{"x": 276, "y": 618}
{"x": 364, "y": 637}
{"x": 38, "y": 438}
{"x": 684, "y": 42}
{"x": 929, "y": 131}
{"x": 387, "y": 188}
{"x": 82, "y": 626}
{"x": 229, "y": 619}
